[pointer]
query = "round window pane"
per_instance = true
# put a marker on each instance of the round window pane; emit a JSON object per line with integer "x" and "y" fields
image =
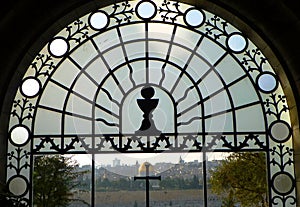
{"x": 18, "y": 186}
{"x": 30, "y": 87}
{"x": 98, "y": 20}
{"x": 280, "y": 131}
{"x": 19, "y": 135}
{"x": 267, "y": 82}
{"x": 194, "y": 17}
{"x": 146, "y": 9}
{"x": 236, "y": 42}
{"x": 58, "y": 47}
{"x": 283, "y": 183}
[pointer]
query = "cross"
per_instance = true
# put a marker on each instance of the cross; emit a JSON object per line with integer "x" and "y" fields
{"x": 147, "y": 178}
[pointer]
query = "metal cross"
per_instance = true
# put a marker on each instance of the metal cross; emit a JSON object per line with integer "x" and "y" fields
{"x": 147, "y": 178}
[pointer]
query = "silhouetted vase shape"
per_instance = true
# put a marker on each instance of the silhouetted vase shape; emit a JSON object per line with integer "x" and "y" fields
{"x": 147, "y": 105}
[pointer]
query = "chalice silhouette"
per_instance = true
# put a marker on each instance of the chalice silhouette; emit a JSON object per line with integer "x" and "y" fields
{"x": 147, "y": 105}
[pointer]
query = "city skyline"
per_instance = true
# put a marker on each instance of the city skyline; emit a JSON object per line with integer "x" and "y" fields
{"x": 132, "y": 158}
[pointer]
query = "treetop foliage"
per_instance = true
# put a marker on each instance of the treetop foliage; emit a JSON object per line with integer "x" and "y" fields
{"x": 241, "y": 178}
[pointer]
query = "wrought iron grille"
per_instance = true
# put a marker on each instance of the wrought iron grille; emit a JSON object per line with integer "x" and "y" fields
{"x": 150, "y": 77}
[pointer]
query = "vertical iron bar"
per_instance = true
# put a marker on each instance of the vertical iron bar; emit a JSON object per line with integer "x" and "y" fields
{"x": 147, "y": 187}
{"x": 147, "y": 51}
{"x": 204, "y": 176}
{"x": 93, "y": 180}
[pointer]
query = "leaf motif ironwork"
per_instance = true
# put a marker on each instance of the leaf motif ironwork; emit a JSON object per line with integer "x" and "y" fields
{"x": 18, "y": 155}
{"x": 170, "y": 11}
{"x": 122, "y": 12}
{"x": 216, "y": 27}
{"x": 77, "y": 31}
{"x": 43, "y": 65}
{"x": 276, "y": 105}
{"x": 250, "y": 60}
{"x": 282, "y": 156}
{"x": 23, "y": 110}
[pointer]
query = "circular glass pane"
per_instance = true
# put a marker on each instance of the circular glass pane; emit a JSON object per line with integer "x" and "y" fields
{"x": 236, "y": 42}
{"x": 146, "y": 9}
{"x": 17, "y": 186}
{"x": 19, "y": 135}
{"x": 267, "y": 82}
{"x": 280, "y": 131}
{"x": 98, "y": 20}
{"x": 30, "y": 87}
{"x": 58, "y": 47}
{"x": 283, "y": 183}
{"x": 194, "y": 17}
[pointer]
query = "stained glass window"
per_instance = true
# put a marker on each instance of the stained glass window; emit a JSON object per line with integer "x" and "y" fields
{"x": 151, "y": 78}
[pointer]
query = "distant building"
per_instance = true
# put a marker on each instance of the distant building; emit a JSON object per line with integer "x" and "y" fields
{"x": 181, "y": 161}
{"x": 142, "y": 168}
{"x": 116, "y": 162}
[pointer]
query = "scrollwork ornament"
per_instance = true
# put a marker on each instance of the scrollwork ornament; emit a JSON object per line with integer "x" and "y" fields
{"x": 20, "y": 202}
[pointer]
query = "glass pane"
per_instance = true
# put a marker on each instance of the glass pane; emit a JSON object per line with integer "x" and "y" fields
{"x": 181, "y": 182}
{"x": 135, "y": 49}
{"x": 179, "y": 56}
{"x": 186, "y": 37}
{"x": 123, "y": 75}
{"x": 107, "y": 39}
{"x": 238, "y": 94}
{"x": 171, "y": 75}
{"x": 53, "y": 96}
{"x": 133, "y": 32}
{"x": 79, "y": 106}
{"x": 62, "y": 180}
{"x": 158, "y": 49}
{"x": 160, "y": 31}
{"x": 114, "y": 57}
{"x": 85, "y": 86}
{"x": 45, "y": 117}
{"x": 219, "y": 123}
{"x": 217, "y": 103}
{"x": 237, "y": 179}
{"x": 229, "y": 69}
{"x": 97, "y": 70}
{"x": 75, "y": 125}
{"x": 84, "y": 54}
{"x": 120, "y": 179}
{"x": 155, "y": 72}
{"x": 210, "y": 51}
{"x": 210, "y": 84}
{"x": 250, "y": 113}
{"x": 66, "y": 74}
{"x": 197, "y": 68}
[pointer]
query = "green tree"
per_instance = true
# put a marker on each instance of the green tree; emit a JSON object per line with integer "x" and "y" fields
{"x": 241, "y": 178}
{"x": 54, "y": 178}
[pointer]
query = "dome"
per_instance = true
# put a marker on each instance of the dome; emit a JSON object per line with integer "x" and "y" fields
{"x": 142, "y": 168}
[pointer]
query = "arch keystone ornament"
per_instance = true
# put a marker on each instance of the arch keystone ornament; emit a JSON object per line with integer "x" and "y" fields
{"x": 150, "y": 77}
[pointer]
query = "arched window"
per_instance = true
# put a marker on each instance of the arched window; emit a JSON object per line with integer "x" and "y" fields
{"x": 155, "y": 77}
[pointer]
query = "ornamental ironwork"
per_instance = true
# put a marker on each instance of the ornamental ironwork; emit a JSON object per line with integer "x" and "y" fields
{"x": 150, "y": 77}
